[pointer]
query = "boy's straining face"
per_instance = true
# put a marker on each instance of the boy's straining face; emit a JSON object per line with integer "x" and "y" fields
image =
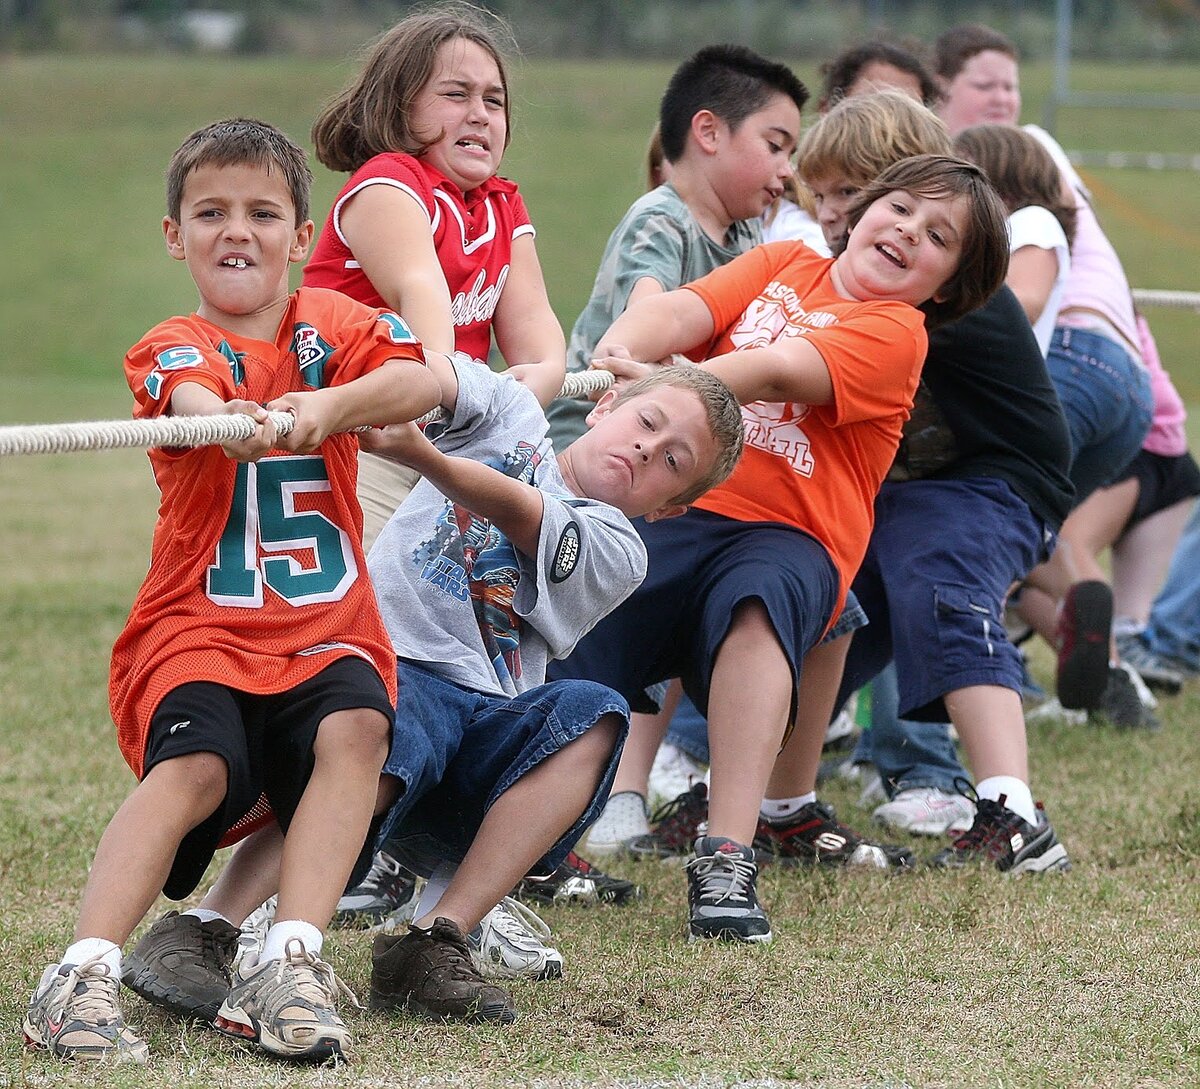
{"x": 754, "y": 162}
{"x": 833, "y": 195}
{"x": 643, "y": 453}
{"x": 461, "y": 109}
{"x": 237, "y": 232}
{"x": 905, "y": 247}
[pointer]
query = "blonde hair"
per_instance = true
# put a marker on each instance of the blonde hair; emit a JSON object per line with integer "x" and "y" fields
{"x": 863, "y": 135}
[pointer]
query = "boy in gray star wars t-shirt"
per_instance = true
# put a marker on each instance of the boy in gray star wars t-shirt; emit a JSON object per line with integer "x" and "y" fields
{"x": 502, "y": 558}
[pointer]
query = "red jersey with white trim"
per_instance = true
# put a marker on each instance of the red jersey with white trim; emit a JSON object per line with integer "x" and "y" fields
{"x": 472, "y": 233}
{"x": 257, "y": 578}
{"x": 816, "y": 467}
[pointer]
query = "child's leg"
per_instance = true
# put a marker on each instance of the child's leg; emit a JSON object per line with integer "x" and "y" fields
{"x": 139, "y": 845}
{"x": 331, "y": 822}
{"x": 525, "y": 822}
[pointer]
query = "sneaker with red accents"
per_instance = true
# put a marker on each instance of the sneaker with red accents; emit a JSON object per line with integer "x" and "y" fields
{"x": 1084, "y": 627}
{"x": 577, "y": 881}
{"x": 1007, "y": 841}
{"x": 675, "y": 825}
{"x": 814, "y": 836}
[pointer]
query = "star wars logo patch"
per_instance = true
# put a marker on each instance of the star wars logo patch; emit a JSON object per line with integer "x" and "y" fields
{"x": 312, "y": 353}
{"x": 566, "y": 555}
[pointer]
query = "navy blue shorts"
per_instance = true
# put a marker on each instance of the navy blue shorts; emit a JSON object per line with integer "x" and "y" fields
{"x": 456, "y": 750}
{"x": 265, "y": 741}
{"x": 702, "y": 566}
{"x": 942, "y": 557}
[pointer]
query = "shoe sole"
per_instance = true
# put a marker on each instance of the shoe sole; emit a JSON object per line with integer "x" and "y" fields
{"x": 504, "y": 1015}
{"x": 235, "y": 1023}
{"x": 1083, "y": 673}
{"x": 142, "y": 980}
{"x": 728, "y": 935}
{"x": 1052, "y": 860}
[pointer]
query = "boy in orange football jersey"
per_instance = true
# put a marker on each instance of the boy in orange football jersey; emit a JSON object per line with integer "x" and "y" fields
{"x": 254, "y": 661}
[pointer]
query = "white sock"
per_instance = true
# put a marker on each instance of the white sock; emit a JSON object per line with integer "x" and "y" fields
{"x": 776, "y": 809}
{"x": 1016, "y": 793}
{"x": 206, "y": 915}
{"x": 86, "y": 948}
{"x": 437, "y": 884}
{"x": 275, "y": 945}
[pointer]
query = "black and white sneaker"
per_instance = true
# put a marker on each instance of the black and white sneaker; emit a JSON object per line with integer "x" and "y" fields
{"x": 722, "y": 901}
{"x": 814, "y": 836}
{"x": 1127, "y": 703}
{"x": 387, "y": 890}
{"x": 577, "y": 881}
{"x": 1007, "y": 841}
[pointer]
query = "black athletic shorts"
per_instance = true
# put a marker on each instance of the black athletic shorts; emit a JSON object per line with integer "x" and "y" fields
{"x": 265, "y": 741}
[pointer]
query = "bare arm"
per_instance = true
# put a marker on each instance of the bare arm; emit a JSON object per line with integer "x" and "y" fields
{"x": 657, "y": 325}
{"x": 195, "y": 399}
{"x": 527, "y": 330}
{"x": 388, "y": 233}
{"x": 399, "y": 391}
{"x": 513, "y": 507}
{"x": 1032, "y": 271}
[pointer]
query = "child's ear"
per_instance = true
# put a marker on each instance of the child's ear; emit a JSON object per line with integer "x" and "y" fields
{"x": 601, "y": 408}
{"x": 706, "y": 128}
{"x": 173, "y": 236}
{"x": 670, "y": 510}
{"x": 300, "y": 244}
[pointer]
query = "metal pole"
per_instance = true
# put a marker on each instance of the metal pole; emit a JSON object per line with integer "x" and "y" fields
{"x": 1062, "y": 63}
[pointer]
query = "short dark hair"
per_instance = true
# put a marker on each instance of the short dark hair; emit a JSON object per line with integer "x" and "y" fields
{"x": 731, "y": 81}
{"x": 372, "y": 115}
{"x": 233, "y": 142}
{"x": 841, "y": 72}
{"x": 959, "y": 44}
{"x": 983, "y": 257}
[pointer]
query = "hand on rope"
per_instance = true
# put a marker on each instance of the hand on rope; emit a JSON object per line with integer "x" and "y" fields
{"x": 65, "y": 438}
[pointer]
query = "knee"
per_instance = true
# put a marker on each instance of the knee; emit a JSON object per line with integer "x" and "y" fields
{"x": 196, "y": 780}
{"x": 358, "y": 737}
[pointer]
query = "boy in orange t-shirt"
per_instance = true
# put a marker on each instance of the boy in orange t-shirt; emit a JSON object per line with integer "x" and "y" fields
{"x": 824, "y": 355}
{"x": 254, "y": 661}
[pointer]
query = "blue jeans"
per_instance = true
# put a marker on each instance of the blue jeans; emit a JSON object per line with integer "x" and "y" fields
{"x": 455, "y": 751}
{"x": 1107, "y": 401}
{"x": 1174, "y": 626}
{"x": 907, "y": 754}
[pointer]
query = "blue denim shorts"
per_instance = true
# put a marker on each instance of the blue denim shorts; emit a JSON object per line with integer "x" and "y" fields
{"x": 1106, "y": 399}
{"x": 943, "y": 554}
{"x": 702, "y": 566}
{"x": 455, "y": 751}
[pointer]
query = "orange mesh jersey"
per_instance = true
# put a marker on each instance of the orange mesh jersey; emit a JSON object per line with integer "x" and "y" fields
{"x": 816, "y": 467}
{"x": 257, "y": 577}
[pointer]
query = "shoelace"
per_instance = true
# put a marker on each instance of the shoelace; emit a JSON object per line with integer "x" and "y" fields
{"x": 519, "y": 925}
{"x": 96, "y": 1002}
{"x": 315, "y": 979}
{"x": 454, "y": 954}
{"x": 722, "y": 877}
{"x": 992, "y": 829}
{"x": 383, "y": 869}
{"x": 677, "y": 819}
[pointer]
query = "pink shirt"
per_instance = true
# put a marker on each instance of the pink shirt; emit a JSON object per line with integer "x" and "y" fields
{"x": 1167, "y": 436}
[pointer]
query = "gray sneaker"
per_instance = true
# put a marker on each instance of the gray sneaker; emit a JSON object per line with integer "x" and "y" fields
{"x": 289, "y": 1007}
{"x": 183, "y": 964}
{"x": 512, "y": 943}
{"x": 75, "y": 1014}
{"x": 722, "y": 901}
{"x": 1161, "y": 673}
{"x": 1126, "y": 703}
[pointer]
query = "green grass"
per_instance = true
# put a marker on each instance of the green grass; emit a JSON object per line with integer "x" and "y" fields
{"x": 929, "y": 979}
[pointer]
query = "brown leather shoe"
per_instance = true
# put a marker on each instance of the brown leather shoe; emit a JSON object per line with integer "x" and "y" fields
{"x": 430, "y": 972}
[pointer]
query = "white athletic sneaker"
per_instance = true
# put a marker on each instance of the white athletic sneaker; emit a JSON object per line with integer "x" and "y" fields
{"x": 254, "y": 932}
{"x": 843, "y": 725}
{"x": 673, "y": 773}
{"x": 927, "y": 811}
{"x": 623, "y": 818}
{"x": 510, "y": 944}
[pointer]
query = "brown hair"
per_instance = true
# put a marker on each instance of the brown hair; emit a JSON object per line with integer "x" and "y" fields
{"x": 841, "y": 72}
{"x": 983, "y": 260}
{"x": 1022, "y": 171}
{"x": 372, "y": 115}
{"x": 959, "y": 44}
{"x": 865, "y": 134}
{"x": 721, "y": 409}
{"x": 234, "y": 142}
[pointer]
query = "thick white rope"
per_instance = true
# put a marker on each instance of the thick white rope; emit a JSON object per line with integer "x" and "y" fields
{"x": 1184, "y": 300}
{"x": 64, "y": 438}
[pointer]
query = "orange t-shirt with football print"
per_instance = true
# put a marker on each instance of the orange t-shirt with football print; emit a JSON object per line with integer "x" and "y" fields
{"x": 815, "y": 467}
{"x": 257, "y": 578}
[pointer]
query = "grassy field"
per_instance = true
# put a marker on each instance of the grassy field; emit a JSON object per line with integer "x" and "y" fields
{"x": 926, "y": 979}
